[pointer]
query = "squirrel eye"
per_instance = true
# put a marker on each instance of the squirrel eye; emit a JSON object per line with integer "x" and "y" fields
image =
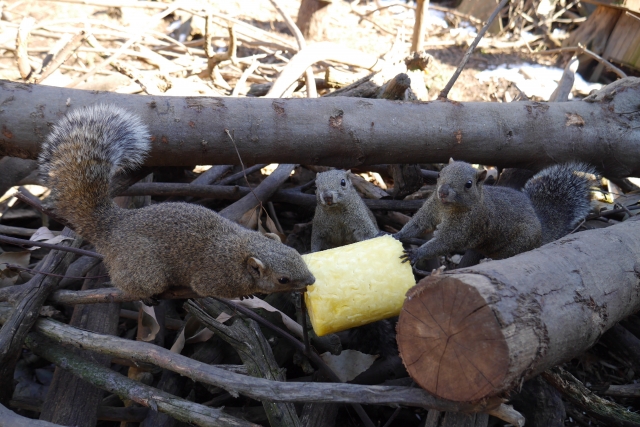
{"x": 343, "y": 183}
{"x": 283, "y": 280}
{"x": 468, "y": 184}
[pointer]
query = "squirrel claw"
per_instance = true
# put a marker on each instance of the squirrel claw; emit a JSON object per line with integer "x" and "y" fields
{"x": 244, "y": 297}
{"x": 408, "y": 255}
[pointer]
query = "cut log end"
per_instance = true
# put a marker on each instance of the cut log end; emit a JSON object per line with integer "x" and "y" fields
{"x": 450, "y": 340}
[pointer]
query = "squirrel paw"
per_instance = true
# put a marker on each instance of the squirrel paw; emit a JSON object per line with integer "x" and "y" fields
{"x": 250, "y": 296}
{"x": 410, "y": 255}
{"x": 151, "y": 301}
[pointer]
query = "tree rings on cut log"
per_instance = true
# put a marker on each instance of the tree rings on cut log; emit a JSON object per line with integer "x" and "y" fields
{"x": 450, "y": 341}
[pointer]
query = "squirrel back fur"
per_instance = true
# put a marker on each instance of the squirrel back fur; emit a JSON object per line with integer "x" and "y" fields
{"x": 498, "y": 222}
{"x": 150, "y": 249}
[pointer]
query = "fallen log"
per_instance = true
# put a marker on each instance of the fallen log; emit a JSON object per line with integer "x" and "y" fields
{"x": 479, "y": 331}
{"x": 603, "y": 129}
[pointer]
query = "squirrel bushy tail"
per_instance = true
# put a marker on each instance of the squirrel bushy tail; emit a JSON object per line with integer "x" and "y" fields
{"x": 80, "y": 156}
{"x": 560, "y": 197}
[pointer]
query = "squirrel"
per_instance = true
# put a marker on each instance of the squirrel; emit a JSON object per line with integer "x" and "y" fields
{"x": 151, "y": 249}
{"x": 499, "y": 222}
{"x": 341, "y": 217}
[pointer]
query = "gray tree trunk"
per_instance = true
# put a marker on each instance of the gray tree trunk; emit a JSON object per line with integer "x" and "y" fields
{"x": 603, "y": 130}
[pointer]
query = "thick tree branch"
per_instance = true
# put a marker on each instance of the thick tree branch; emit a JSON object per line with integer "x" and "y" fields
{"x": 508, "y": 320}
{"x": 603, "y": 130}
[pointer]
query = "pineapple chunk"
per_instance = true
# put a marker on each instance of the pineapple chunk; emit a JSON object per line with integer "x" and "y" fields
{"x": 357, "y": 284}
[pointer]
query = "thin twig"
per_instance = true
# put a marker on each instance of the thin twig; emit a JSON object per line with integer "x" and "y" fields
{"x": 30, "y": 270}
{"x": 454, "y": 12}
{"x": 305, "y": 332}
{"x": 23, "y": 243}
{"x": 581, "y": 49}
{"x": 236, "y": 176}
{"x": 243, "y": 169}
{"x": 627, "y": 13}
{"x": 243, "y": 78}
{"x": 445, "y": 92}
{"x": 26, "y": 197}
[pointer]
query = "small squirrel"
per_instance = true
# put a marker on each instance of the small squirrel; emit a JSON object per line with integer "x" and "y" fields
{"x": 151, "y": 249}
{"x": 499, "y": 222}
{"x": 341, "y": 217}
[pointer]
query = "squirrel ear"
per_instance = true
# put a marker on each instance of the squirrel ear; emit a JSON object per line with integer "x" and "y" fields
{"x": 256, "y": 267}
{"x": 451, "y": 160}
{"x": 273, "y": 236}
{"x": 481, "y": 175}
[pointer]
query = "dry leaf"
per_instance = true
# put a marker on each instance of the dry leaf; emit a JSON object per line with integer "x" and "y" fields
{"x": 149, "y": 326}
{"x": 348, "y": 364}
{"x": 273, "y": 228}
{"x": 43, "y": 234}
{"x": 291, "y": 324}
{"x": 9, "y": 276}
{"x": 193, "y": 332}
{"x": 250, "y": 219}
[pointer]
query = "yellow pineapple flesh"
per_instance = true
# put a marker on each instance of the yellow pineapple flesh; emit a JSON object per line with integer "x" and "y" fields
{"x": 357, "y": 284}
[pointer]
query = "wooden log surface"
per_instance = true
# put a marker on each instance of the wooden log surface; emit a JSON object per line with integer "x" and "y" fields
{"x": 479, "y": 331}
{"x": 344, "y": 132}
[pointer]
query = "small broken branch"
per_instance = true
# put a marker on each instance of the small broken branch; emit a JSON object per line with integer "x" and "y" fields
{"x": 583, "y": 50}
{"x": 604, "y": 410}
{"x": 258, "y": 195}
{"x": 24, "y": 243}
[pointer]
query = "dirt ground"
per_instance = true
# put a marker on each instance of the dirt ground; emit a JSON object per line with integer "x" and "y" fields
{"x": 344, "y": 27}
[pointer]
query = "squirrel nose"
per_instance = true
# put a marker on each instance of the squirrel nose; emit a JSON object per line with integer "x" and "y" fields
{"x": 328, "y": 198}
{"x": 443, "y": 192}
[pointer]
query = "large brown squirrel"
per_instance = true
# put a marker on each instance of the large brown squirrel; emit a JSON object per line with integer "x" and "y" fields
{"x": 151, "y": 249}
{"x": 499, "y": 222}
{"x": 341, "y": 217}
